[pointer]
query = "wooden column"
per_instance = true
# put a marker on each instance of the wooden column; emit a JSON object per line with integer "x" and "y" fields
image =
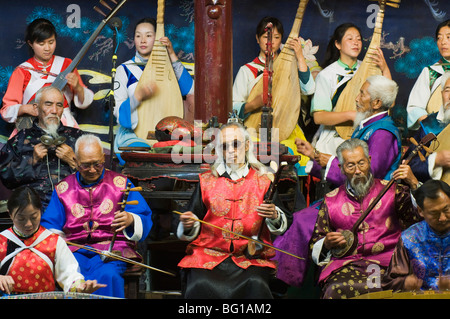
{"x": 213, "y": 59}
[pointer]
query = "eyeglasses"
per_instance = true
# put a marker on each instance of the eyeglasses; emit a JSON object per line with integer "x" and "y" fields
{"x": 233, "y": 144}
{"x": 86, "y": 166}
{"x": 351, "y": 167}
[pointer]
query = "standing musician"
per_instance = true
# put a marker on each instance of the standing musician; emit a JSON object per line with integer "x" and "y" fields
{"x": 421, "y": 259}
{"x": 42, "y": 155}
{"x": 346, "y": 277}
{"x": 341, "y": 63}
{"x": 433, "y": 166}
{"x": 33, "y": 259}
{"x": 429, "y": 79}
{"x": 127, "y": 77}
{"x": 250, "y": 73}
{"x": 85, "y": 209}
{"x": 39, "y": 71}
{"x": 230, "y": 196}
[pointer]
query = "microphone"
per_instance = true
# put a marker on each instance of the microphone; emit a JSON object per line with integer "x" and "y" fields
{"x": 114, "y": 23}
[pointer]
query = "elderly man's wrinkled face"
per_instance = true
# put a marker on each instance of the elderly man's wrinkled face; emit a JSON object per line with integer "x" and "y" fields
{"x": 234, "y": 147}
{"x": 50, "y": 108}
{"x": 356, "y": 168}
{"x": 91, "y": 161}
{"x": 436, "y": 213}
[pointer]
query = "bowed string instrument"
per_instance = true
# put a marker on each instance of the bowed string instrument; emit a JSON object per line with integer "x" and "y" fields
{"x": 107, "y": 255}
{"x": 351, "y": 236}
{"x": 255, "y": 245}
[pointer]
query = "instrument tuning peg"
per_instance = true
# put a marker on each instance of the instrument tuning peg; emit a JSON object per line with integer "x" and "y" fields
{"x": 99, "y": 11}
{"x": 412, "y": 140}
{"x": 422, "y": 158}
{"x": 103, "y": 3}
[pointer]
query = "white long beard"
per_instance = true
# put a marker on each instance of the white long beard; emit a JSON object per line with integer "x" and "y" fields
{"x": 362, "y": 188}
{"x": 52, "y": 130}
{"x": 360, "y": 116}
{"x": 447, "y": 115}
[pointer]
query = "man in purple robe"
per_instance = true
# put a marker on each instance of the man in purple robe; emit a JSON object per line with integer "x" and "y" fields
{"x": 372, "y": 125}
{"x": 377, "y": 129}
{"x": 86, "y": 209}
{"x": 359, "y": 272}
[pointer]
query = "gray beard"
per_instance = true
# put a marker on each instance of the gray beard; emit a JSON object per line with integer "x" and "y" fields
{"x": 360, "y": 116}
{"x": 447, "y": 116}
{"x": 52, "y": 130}
{"x": 362, "y": 188}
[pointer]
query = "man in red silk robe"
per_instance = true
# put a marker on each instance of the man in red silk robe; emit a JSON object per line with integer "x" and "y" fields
{"x": 230, "y": 196}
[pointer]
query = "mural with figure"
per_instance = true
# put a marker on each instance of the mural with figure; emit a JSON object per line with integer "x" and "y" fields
{"x": 407, "y": 41}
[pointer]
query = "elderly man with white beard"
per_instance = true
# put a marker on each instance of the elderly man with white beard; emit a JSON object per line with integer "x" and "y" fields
{"x": 360, "y": 272}
{"x": 42, "y": 155}
{"x": 373, "y": 125}
{"x": 432, "y": 167}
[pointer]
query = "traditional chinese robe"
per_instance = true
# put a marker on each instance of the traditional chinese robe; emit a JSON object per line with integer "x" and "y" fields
{"x": 38, "y": 263}
{"x": 420, "y": 251}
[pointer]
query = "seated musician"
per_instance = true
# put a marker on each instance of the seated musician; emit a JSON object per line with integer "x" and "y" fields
{"x": 429, "y": 79}
{"x": 250, "y": 73}
{"x": 33, "y": 259}
{"x": 85, "y": 208}
{"x": 42, "y": 155}
{"x": 348, "y": 276}
{"x": 126, "y": 97}
{"x": 421, "y": 257}
{"x": 40, "y": 71}
{"x": 372, "y": 125}
{"x": 435, "y": 123}
{"x": 230, "y": 196}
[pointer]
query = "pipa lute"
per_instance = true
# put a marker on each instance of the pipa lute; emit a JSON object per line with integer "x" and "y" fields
{"x": 346, "y": 101}
{"x": 60, "y": 81}
{"x": 167, "y": 101}
{"x": 286, "y": 95}
{"x": 443, "y": 139}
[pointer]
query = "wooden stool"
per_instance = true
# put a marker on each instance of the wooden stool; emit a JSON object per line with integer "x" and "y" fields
{"x": 132, "y": 276}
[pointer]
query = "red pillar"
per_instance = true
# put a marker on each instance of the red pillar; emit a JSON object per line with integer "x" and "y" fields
{"x": 213, "y": 59}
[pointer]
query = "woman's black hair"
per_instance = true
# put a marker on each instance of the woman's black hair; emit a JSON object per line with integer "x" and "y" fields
{"x": 39, "y": 30}
{"x": 332, "y": 53}
{"x": 445, "y": 23}
{"x": 21, "y": 197}
{"x": 260, "y": 28}
{"x": 152, "y": 21}
{"x": 430, "y": 189}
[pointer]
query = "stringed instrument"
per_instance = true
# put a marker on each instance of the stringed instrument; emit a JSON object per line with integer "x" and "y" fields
{"x": 254, "y": 247}
{"x": 435, "y": 101}
{"x": 124, "y": 203}
{"x": 346, "y": 101}
{"x": 351, "y": 236}
{"x": 60, "y": 80}
{"x": 286, "y": 94}
{"x": 443, "y": 139}
{"x": 167, "y": 101}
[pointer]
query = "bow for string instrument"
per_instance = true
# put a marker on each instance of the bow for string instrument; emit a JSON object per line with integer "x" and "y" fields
{"x": 286, "y": 87}
{"x": 254, "y": 247}
{"x": 124, "y": 202}
{"x": 346, "y": 101}
{"x": 60, "y": 80}
{"x": 351, "y": 236}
